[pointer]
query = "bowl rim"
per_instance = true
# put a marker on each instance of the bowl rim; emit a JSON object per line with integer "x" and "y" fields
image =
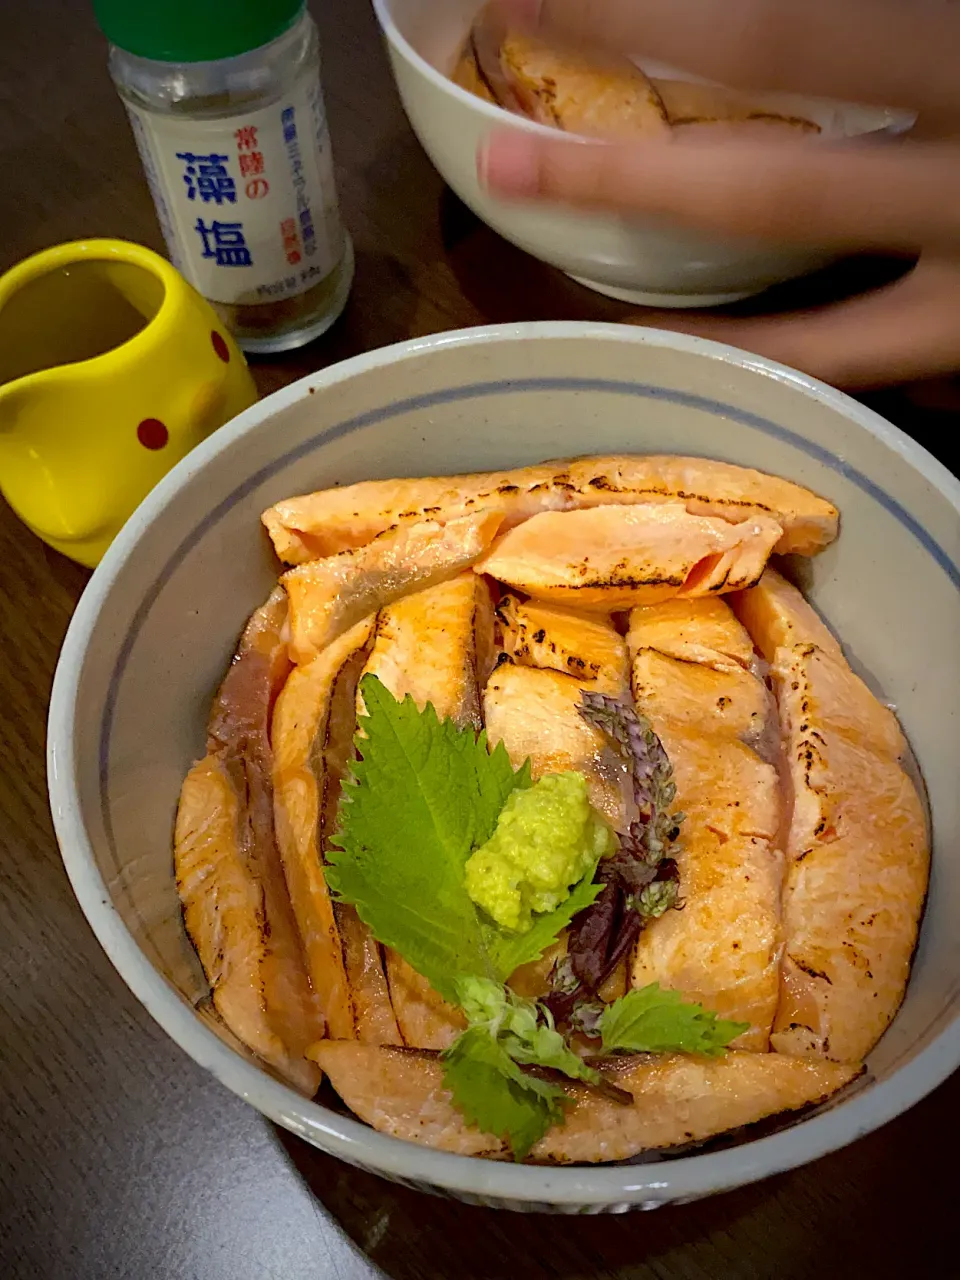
{"x": 526, "y": 1186}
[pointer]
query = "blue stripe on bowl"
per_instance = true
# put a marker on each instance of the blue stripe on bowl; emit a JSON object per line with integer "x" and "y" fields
{"x": 453, "y": 395}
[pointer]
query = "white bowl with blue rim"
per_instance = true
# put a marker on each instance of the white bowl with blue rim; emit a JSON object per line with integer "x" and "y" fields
{"x": 158, "y": 623}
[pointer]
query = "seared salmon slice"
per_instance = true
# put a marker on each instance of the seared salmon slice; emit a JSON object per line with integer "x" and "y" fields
{"x": 776, "y": 616}
{"x": 332, "y": 520}
{"x": 856, "y": 883}
{"x": 313, "y": 728}
{"x": 723, "y": 948}
{"x": 590, "y": 95}
{"x": 722, "y": 784}
{"x": 223, "y": 911}
{"x": 467, "y": 75}
{"x": 426, "y": 1020}
{"x": 229, "y": 871}
{"x": 329, "y": 596}
{"x": 702, "y": 630}
{"x": 731, "y": 703}
{"x": 857, "y": 848}
{"x": 616, "y": 557}
{"x": 834, "y": 695}
{"x": 363, "y": 959}
{"x": 535, "y": 714}
{"x": 436, "y": 645}
{"x": 557, "y": 639}
{"x": 677, "y": 1100}
{"x": 717, "y": 722}
{"x": 789, "y": 632}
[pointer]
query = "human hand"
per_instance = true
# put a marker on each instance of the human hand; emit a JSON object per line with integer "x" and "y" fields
{"x": 899, "y": 195}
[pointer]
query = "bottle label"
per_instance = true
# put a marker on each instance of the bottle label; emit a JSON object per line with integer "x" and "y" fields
{"x": 247, "y": 203}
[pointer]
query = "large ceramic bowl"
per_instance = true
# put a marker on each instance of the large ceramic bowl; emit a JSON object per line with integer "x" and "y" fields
{"x": 159, "y": 620}
{"x": 635, "y": 261}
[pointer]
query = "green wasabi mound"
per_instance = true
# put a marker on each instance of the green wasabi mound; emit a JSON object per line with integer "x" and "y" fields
{"x": 546, "y": 840}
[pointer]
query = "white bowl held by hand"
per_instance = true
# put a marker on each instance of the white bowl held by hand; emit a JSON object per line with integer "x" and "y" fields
{"x": 158, "y": 623}
{"x": 641, "y": 261}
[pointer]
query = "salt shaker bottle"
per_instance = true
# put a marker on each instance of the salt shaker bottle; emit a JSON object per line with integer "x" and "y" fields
{"x": 225, "y": 103}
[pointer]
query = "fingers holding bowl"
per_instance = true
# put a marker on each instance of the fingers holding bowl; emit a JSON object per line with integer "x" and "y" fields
{"x": 905, "y": 332}
{"x": 796, "y": 189}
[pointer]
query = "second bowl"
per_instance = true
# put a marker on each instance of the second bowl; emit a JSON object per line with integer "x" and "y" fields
{"x": 629, "y": 259}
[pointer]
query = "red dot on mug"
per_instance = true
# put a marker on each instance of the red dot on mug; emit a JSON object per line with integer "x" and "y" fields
{"x": 152, "y": 434}
{"x": 220, "y": 346}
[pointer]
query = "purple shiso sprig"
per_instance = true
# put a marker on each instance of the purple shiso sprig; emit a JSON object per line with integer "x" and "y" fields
{"x": 640, "y": 881}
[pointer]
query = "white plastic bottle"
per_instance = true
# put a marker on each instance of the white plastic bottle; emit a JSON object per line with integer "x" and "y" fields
{"x": 225, "y": 102}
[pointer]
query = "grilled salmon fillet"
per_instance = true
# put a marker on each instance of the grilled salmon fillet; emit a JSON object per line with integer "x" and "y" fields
{"x": 426, "y": 1020}
{"x": 585, "y": 646}
{"x": 701, "y": 630}
{"x": 612, "y": 558}
{"x": 598, "y": 94}
{"x": 313, "y": 729}
{"x": 434, "y": 645}
{"x": 592, "y": 95}
{"x": 701, "y": 699}
{"x": 467, "y": 75}
{"x": 535, "y": 714}
{"x": 437, "y": 646}
{"x": 229, "y": 871}
{"x": 715, "y": 720}
{"x": 339, "y": 519}
{"x": 363, "y": 957}
{"x": 329, "y": 596}
{"x": 857, "y": 848}
{"x": 777, "y": 617}
{"x": 677, "y": 1100}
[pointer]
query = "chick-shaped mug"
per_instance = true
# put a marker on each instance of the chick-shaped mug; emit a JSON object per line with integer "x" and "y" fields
{"x": 112, "y": 368}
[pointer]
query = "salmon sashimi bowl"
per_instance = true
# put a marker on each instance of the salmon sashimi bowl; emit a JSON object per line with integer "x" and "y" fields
{"x": 541, "y": 817}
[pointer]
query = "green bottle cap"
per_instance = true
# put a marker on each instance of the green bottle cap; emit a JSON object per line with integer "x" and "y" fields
{"x": 194, "y": 30}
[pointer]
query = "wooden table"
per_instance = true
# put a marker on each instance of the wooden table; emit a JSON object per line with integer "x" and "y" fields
{"x": 119, "y": 1157}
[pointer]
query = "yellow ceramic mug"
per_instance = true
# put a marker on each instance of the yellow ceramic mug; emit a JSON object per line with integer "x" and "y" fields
{"x": 111, "y": 369}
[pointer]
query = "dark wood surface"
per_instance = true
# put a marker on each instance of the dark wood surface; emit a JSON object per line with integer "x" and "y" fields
{"x": 118, "y": 1156}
